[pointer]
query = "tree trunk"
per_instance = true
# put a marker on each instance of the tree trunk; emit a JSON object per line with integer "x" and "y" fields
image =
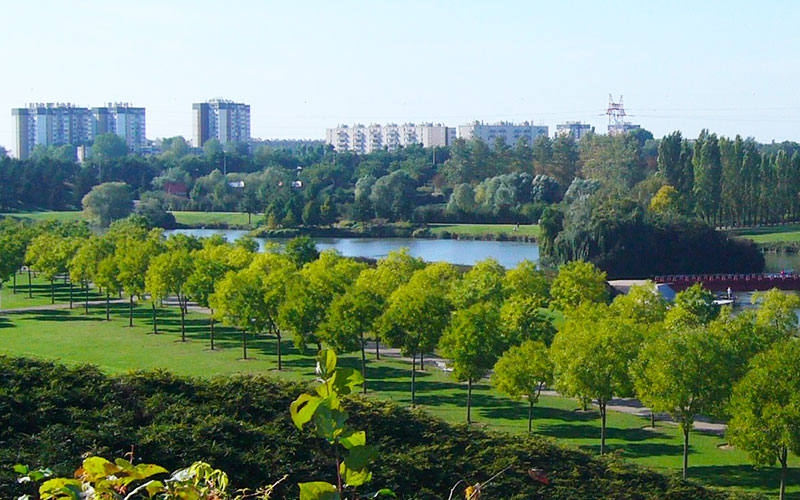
{"x": 783, "y": 460}
{"x": 422, "y": 361}
{"x": 52, "y": 291}
{"x": 70, "y": 294}
{"x": 530, "y": 413}
{"x": 86, "y": 298}
{"x": 15, "y": 282}
{"x": 155, "y": 321}
{"x": 364, "y": 361}
{"x": 130, "y": 312}
{"x": 244, "y": 344}
{"x": 377, "y": 348}
{"x": 30, "y": 287}
{"x": 413, "y": 379}
{"x": 280, "y": 360}
{"x": 183, "y": 319}
{"x": 652, "y": 419}
{"x": 469, "y": 401}
{"x": 108, "y": 306}
{"x": 212, "y": 329}
{"x": 686, "y": 427}
{"x": 602, "y": 405}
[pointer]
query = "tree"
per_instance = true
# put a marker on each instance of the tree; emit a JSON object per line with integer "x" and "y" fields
{"x": 693, "y": 307}
{"x": 85, "y": 263}
{"x": 666, "y": 201}
{"x": 643, "y": 304}
{"x": 50, "y": 254}
{"x": 276, "y": 273}
{"x": 528, "y": 281}
{"x": 473, "y": 342}
{"x": 107, "y": 202}
{"x": 778, "y": 311}
{"x": 168, "y": 274}
{"x": 482, "y": 283}
{"x": 349, "y": 318}
{"x": 591, "y": 354}
{"x": 238, "y": 300}
{"x": 523, "y": 320}
{"x": 524, "y": 370}
{"x": 210, "y": 266}
{"x": 132, "y": 256}
{"x": 301, "y": 250}
{"x": 578, "y": 282}
{"x": 417, "y": 314}
{"x": 684, "y": 376}
{"x": 766, "y": 408}
{"x": 109, "y": 147}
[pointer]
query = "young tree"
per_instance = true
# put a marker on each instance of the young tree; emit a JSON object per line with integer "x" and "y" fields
{"x": 168, "y": 274}
{"x": 524, "y": 370}
{"x": 693, "y": 307}
{"x": 84, "y": 265}
{"x": 528, "y": 281}
{"x": 107, "y": 276}
{"x": 766, "y": 408}
{"x": 417, "y": 313}
{"x": 578, "y": 282}
{"x": 591, "y": 354}
{"x": 349, "y": 318}
{"x": 473, "y": 342}
{"x": 210, "y": 266}
{"x": 684, "y": 377}
{"x": 132, "y": 256}
{"x": 238, "y": 300}
{"x": 276, "y": 272}
{"x": 482, "y": 283}
{"x": 522, "y": 320}
{"x": 301, "y": 250}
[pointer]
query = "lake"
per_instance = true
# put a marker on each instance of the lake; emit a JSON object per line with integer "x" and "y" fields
{"x": 467, "y": 252}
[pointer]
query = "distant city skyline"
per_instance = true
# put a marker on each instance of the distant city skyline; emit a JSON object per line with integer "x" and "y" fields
{"x": 730, "y": 67}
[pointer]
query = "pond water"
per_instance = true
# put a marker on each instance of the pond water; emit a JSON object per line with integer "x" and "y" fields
{"x": 467, "y": 252}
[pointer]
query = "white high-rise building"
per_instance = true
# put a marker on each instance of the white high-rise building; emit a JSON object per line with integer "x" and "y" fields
{"x": 576, "y": 129}
{"x": 50, "y": 124}
{"x": 220, "y": 119}
{"x": 510, "y": 132}
{"x": 122, "y": 119}
{"x": 366, "y": 139}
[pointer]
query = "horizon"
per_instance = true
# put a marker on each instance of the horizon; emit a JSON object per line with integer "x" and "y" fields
{"x": 729, "y": 68}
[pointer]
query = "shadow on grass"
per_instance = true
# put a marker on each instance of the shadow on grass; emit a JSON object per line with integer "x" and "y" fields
{"x": 584, "y": 431}
{"x": 6, "y": 322}
{"x": 766, "y": 479}
{"x": 519, "y": 411}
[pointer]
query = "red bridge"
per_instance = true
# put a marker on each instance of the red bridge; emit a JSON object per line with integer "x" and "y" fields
{"x": 736, "y": 282}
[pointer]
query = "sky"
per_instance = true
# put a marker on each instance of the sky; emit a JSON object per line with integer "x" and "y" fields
{"x": 732, "y": 67}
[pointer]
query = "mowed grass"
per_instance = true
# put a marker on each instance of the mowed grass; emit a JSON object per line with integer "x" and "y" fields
{"x": 476, "y": 230}
{"x": 73, "y": 338}
{"x": 783, "y": 233}
{"x": 199, "y": 219}
{"x": 64, "y": 216}
{"x": 39, "y": 293}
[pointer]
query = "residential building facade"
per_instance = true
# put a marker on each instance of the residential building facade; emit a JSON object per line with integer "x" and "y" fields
{"x": 511, "y": 133}
{"x": 220, "y": 119}
{"x": 122, "y": 119}
{"x": 368, "y": 138}
{"x": 575, "y": 129}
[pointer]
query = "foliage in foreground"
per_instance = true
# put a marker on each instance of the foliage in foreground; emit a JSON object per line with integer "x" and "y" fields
{"x": 50, "y": 415}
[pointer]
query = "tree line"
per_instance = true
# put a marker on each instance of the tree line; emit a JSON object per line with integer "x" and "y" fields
{"x": 687, "y": 359}
{"x": 716, "y": 179}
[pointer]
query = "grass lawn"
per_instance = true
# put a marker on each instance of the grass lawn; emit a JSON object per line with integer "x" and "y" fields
{"x": 783, "y": 233}
{"x": 66, "y": 216}
{"x": 484, "y": 229}
{"x": 71, "y": 337}
{"x": 198, "y": 219}
{"x": 41, "y": 293}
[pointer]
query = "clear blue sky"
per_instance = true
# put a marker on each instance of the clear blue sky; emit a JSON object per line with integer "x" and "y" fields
{"x": 733, "y": 67}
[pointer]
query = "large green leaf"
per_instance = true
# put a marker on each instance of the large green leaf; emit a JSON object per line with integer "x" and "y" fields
{"x": 326, "y": 363}
{"x": 60, "y": 488}
{"x": 303, "y": 408}
{"x": 99, "y": 468}
{"x": 355, "y": 469}
{"x": 318, "y": 490}
{"x": 346, "y": 380}
{"x": 353, "y": 439}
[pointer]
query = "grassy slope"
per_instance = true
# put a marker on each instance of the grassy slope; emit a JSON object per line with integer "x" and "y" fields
{"x": 73, "y": 338}
{"x": 770, "y": 234}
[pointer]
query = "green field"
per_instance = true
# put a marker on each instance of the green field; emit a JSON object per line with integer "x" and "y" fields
{"x": 66, "y": 216}
{"x": 73, "y": 338}
{"x": 477, "y": 230}
{"x": 193, "y": 219}
{"x": 41, "y": 293}
{"x": 784, "y": 233}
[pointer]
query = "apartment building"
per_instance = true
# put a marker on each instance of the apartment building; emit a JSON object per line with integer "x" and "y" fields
{"x": 122, "y": 119}
{"x": 575, "y": 129}
{"x": 510, "y": 132}
{"x": 220, "y": 119}
{"x": 369, "y": 138}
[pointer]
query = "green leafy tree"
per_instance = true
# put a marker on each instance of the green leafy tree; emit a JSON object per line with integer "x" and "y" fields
{"x": 643, "y": 304}
{"x": 108, "y": 147}
{"x": 522, "y": 371}
{"x": 168, "y": 274}
{"x": 482, "y": 283}
{"x": 417, "y": 314}
{"x": 766, "y": 408}
{"x": 591, "y": 355}
{"x": 85, "y": 263}
{"x": 528, "y": 281}
{"x": 302, "y": 250}
{"x": 578, "y": 282}
{"x": 350, "y": 317}
{"x": 132, "y": 256}
{"x": 108, "y": 202}
{"x": 107, "y": 276}
{"x": 238, "y": 301}
{"x": 522, "y": 319}
{"x": 276, "y": 272}
{"x": 210, "y": 267}
{"x": 693, "y": 307}
{"x": 684, "y": 376}
{"x": 473, "y": 342}
{"x": 777, "y": 310}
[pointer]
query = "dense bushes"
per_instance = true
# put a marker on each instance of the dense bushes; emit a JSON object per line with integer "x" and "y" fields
{"x": 51, "y": 415}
